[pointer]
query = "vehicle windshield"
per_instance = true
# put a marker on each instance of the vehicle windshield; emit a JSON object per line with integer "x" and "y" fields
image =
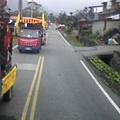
{"x": 29, "y": 33}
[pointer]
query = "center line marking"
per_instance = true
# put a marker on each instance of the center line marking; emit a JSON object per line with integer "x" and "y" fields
{"x": 24, "y": 114}
{"x": 32, "y": 114}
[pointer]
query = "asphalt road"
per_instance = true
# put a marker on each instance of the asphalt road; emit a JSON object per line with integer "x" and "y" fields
{"x": 57, "y": 85}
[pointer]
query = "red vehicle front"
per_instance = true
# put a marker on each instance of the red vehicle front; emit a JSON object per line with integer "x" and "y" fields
{"x": 29, "y": 40}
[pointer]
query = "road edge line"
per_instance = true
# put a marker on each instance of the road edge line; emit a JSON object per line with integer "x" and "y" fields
{"x": 15, "y": 47}
{"x": 101, "y": 88}
{"x": 64, "y": 39}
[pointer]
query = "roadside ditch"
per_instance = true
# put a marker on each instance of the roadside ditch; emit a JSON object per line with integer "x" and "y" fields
{"x": 105, "y": 68}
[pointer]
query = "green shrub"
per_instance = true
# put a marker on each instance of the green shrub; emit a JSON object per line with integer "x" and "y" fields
{"x": 86, "y": 33}
{"x": 92, "y": 36}
{"x": 110, "y": 73}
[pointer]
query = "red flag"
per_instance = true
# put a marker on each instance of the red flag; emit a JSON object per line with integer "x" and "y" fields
{"x": 7, "y": 38}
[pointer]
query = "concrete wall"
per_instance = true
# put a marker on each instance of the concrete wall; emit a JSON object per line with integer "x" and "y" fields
{"x": 112, "y": 24}
{"x": 99, "y": 25}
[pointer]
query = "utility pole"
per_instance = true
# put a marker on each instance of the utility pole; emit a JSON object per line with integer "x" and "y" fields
{"x": 20, "y": 8}
{"x": 32, "y": 9}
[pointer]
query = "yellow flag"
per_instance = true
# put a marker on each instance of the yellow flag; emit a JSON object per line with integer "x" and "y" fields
{"x": 17, "y": 25}
{"x": 18, "y": 19}
{"x": 43, "y": 20}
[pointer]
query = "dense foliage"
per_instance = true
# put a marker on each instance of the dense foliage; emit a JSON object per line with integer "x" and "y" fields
{"x": 110, "y": 73}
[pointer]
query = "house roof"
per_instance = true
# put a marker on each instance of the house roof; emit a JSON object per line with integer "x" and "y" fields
{"x": 108, "y": 19}
{"x": 93, "y": 21}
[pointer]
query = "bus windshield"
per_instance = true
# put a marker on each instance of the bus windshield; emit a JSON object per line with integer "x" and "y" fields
{"x": 29, "y": 33}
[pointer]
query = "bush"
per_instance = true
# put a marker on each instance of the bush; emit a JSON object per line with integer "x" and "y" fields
{"x": 111, "y": 74}
{"x": 92, "y": 36}
{"x": 86, "y": 33}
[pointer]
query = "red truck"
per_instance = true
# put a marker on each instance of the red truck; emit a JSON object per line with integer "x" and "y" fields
{"x": 29, "y": 40}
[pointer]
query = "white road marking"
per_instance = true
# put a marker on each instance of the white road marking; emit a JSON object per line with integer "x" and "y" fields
{"x": 64, "y": 39}
{"x": 101, "y": 88}
{"x": 15, "y": 47}
{"x": 26, "y": 66}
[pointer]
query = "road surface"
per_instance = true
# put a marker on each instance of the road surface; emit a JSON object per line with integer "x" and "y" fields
{"x": 58, "y": 84}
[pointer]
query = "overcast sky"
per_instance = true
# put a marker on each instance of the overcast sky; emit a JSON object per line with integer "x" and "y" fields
{"x": 68, "y": 5}
{"x": 61, "y": 5}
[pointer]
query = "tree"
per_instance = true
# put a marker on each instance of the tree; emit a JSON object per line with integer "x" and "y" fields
{"x": 3, "y": 3}
{"x": 115, "y": 6}
{"x": 62, "y": 18}
{"x": 51, "y": 17}
{"x": 35, "y": 8}
{"x": 84, "y": 14}
{"x": 14, "y": 13}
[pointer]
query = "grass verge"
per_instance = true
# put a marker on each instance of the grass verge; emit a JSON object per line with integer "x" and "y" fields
{"x": 71, "y": 39}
